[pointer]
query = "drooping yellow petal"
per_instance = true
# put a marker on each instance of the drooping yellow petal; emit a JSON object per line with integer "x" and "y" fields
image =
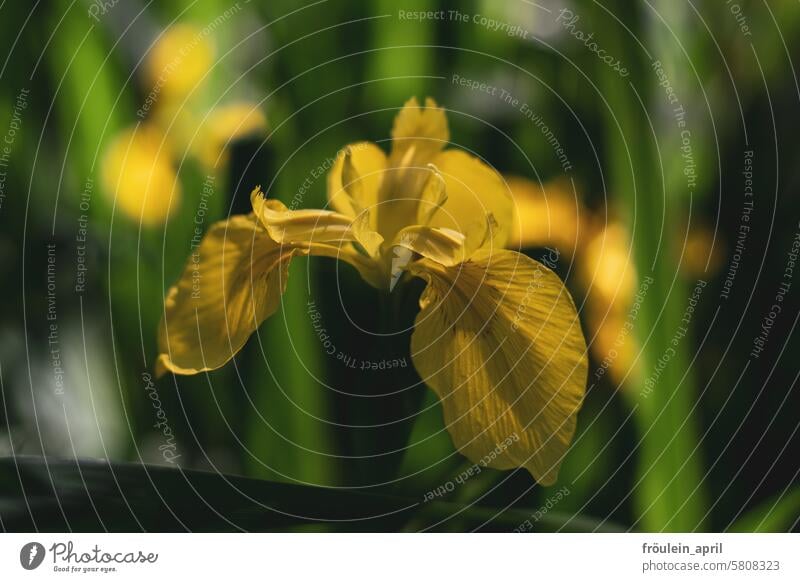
{"x": 177, "y": 62}
{"x": 231, "y": 283}
{"x": 546, "y": 215}
{"x": 474, "y": 191}
{"x": 498, "y": 339}
{"x": 360, "y": 191}
{"x": 224, "y": 125}
{"x": 137, "y": 172}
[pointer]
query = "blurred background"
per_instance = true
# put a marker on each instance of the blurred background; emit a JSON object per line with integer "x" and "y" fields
{"x": 654, "y": 142}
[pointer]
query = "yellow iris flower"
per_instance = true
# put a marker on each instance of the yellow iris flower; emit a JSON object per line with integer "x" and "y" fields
{"x": 497, "y": 336}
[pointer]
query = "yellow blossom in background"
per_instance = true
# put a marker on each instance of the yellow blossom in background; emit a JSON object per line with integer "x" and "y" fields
{"x": 608, "y": 274}
{"x": 551, "y": 215}
{"x": 606, "y": 268}
{"x": 497, "y": 337}
{"x": 225, "y": 124}
{"x": 144, "y": 182}
{"x": 548, "y": 215}
{"x": 178, "y": 61}
{"x": 614, "y": 345}
{"x": 137, "y": 171}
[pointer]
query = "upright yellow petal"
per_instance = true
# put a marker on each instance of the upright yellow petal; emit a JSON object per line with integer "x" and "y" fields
{"x": 474, "y": 191}
{"x": 432, "y": 197}
{"x": 418, "y": 133}
{"x": 360, "y": 191}
{"x": 137, "y": 172}
{"x": 498, "y": 339}
{"x": 231, "y": 283}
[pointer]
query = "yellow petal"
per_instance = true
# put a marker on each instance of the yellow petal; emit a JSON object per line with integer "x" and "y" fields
{"x": 137, "y": 172}
{"x": 312, "y": 226}
{"x": 443, "y": 245}
{"x": 474, "y": 191}
{"x": 420, "y": 131}
{"x": 498, "y": 339}
{"x": 231, "y": 283}
{"x": 225, "y": 124}
{"x": 418, "y": 135}
{"x": 178, "y": 60}
{"x": 433, "y": 197}
{"x": 368, "y": 164}
{"x": 548, "y": 215}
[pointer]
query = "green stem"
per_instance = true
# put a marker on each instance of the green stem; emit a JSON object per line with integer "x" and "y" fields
{"x": 668, "y": 490}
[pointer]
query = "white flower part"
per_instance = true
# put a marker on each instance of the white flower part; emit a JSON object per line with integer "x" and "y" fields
{"x": 402, "y": 256}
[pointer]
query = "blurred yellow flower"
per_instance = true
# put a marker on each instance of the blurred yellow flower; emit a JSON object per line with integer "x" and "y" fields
{"x": 608, "y": 274}
{"x": 178, "y": 61}
{"x": 225, "y": 124}
{"x": 546, "y": 215}
{"x": 143, "y": 180}
{"x": 137, "y": 171}
{"x": 551, "y": 215}
{"x": 497, "y": 336}
{"x": 614, "y": 345}
{"x": 606, "y": 268}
